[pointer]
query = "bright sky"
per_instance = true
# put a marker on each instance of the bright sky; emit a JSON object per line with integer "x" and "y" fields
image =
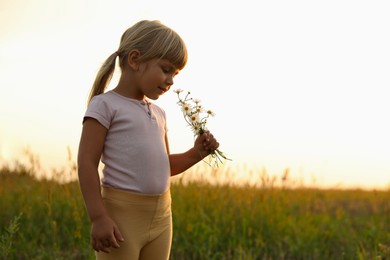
{"x": 294, "y": 84}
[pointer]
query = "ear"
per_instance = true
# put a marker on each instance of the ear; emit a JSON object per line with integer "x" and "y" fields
{"x": 133, "y": 59}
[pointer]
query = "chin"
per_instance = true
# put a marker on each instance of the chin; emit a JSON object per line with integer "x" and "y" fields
{"x": 153, "y": 97}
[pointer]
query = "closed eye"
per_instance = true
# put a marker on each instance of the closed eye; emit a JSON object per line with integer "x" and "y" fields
{"x": 166, "y": 70}
{"x": 170, "y": 70}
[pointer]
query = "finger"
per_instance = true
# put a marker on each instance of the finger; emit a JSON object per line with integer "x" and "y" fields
{"x": 114, "y": 242}
{"x": 211, "y": 145}
{"x": 207, "y": 139}
{"x": 103, "y": 247}
{"x": 100, "y": 247}
{"x": 201, "y": 138}
{"x": 106, "y": 250}
{"x": 107, "y": 243}
{"x": 210, "y": 137}
{"x": 215, "y": 147}
{"x": 118, "y": 235}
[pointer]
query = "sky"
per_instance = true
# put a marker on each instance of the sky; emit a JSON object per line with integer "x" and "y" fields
{"x": 299, "y": 84}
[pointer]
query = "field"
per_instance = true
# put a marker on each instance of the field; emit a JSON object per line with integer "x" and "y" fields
{"x": 43, "y": 219}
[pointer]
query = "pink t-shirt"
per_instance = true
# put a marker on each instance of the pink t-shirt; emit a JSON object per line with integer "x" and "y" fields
{"x": 135, "y": 157}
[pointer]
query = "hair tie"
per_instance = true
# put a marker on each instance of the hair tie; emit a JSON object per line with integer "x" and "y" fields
{"x": 117, "y": 53}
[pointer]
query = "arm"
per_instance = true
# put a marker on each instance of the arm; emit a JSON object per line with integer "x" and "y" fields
{"x": 90, "y": 150}
{"x": 203, "y": 146}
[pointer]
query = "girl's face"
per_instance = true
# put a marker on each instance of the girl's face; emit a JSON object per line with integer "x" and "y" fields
{"x": 156, "y": 77}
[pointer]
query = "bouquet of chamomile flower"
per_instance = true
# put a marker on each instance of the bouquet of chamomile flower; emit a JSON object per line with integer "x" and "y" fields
{"x": 196, "y": 117}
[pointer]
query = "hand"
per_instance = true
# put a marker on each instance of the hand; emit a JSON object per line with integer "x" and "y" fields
{"x": 105, "y": 234}
{"x": 206, "y": 144}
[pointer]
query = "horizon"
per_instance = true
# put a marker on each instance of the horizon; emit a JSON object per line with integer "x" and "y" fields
{"x": 239, "y": 174}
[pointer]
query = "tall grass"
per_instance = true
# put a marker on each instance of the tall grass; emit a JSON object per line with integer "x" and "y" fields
{"x": 44, "y": 219}
{"x": 6, "y": 239}
{"x": 52, "y": 222}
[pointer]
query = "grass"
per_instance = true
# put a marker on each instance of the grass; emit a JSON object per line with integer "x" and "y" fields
{"x": 44, "y": 219}
{"x": 247, "y": 223}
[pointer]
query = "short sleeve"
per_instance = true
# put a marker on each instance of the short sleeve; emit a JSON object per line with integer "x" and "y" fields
{"x": 100, "y": 110}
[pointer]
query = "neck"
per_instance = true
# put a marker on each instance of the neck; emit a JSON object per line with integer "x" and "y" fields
{"x": 127, "y": 89}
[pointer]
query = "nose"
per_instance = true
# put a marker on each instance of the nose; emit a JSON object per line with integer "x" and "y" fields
{"x": 170, "y": 81}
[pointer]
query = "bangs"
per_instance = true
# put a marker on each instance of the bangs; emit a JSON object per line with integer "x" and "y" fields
{"x": 176, "y": 53}
{"x": 165, "y": 43}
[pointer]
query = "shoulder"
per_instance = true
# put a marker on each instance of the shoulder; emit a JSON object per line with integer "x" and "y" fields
{"x": 104, "y": 97}
{"x": 158, "y": 109}
{"x": 108, "y": 101}
{"x": 102, "y": 108}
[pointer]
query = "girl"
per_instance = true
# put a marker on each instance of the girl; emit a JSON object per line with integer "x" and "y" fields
{"x": 130, "y": 211}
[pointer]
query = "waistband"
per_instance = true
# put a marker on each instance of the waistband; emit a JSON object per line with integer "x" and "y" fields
{"x": 127, "y": 195}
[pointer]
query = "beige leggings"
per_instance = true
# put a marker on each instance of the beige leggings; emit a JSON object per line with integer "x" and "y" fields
{"x": 145, "y": 222}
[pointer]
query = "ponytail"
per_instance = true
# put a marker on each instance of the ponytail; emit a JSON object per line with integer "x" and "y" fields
{"x": 103, "y": 77}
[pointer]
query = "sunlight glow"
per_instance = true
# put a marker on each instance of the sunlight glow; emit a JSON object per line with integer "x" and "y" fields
{"x": 5, "y": 153}
{"x": 294, "y": 84}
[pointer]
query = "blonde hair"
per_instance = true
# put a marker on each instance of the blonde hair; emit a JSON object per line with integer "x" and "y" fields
{"x": 153, "y": 40}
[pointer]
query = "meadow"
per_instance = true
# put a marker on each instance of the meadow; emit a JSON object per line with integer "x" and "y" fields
{"x": 46, "y": 219}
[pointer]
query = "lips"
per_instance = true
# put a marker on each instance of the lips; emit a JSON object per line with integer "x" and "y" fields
{"x": 163, "y": 89}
